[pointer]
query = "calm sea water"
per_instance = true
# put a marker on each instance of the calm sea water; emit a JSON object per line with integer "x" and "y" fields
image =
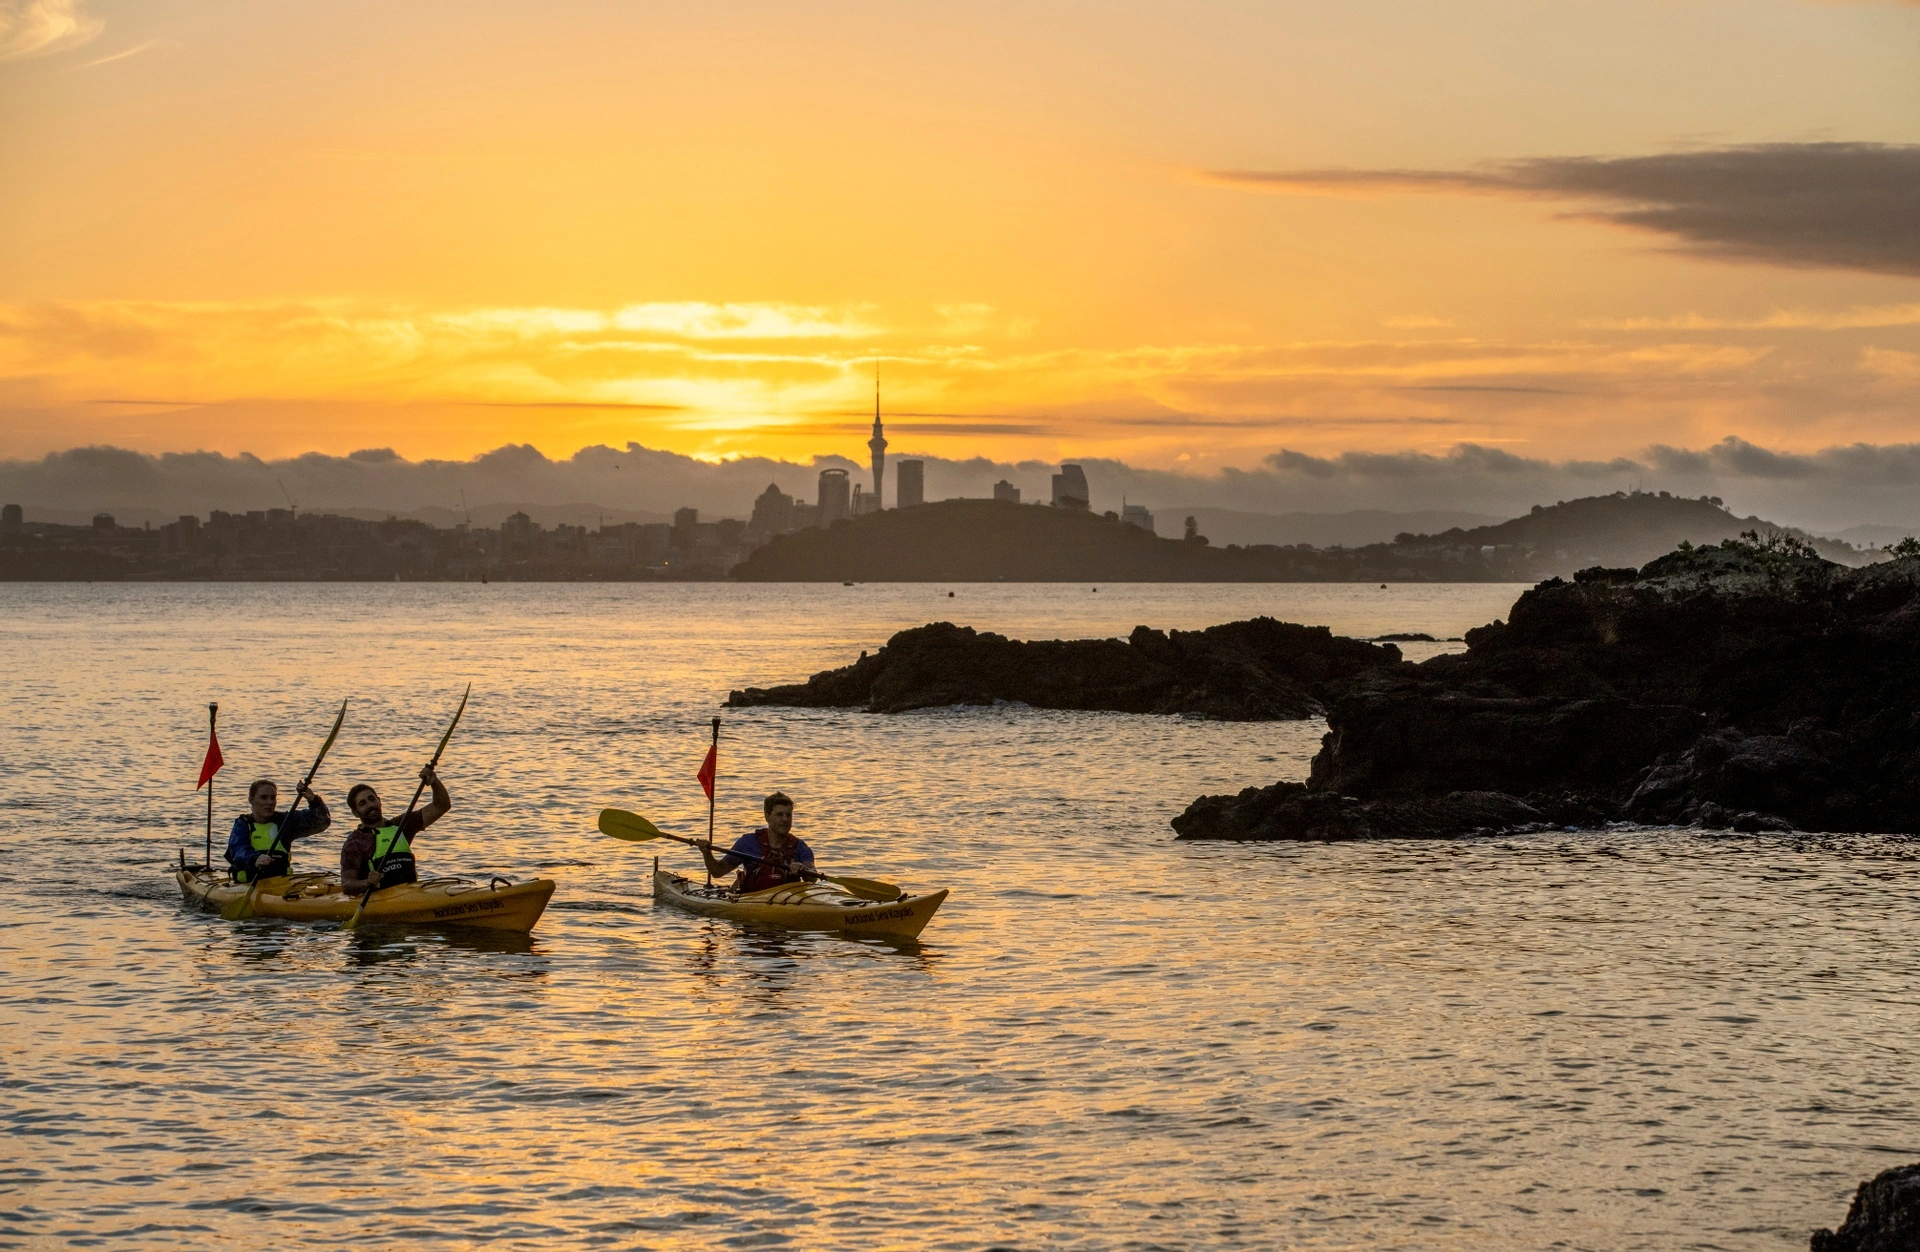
{"x": 1107, "y": 1039}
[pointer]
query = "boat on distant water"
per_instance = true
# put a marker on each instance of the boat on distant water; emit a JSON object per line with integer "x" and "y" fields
{"x": 496, "y": 905}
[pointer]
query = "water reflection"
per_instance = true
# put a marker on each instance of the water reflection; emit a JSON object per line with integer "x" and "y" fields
{"x": 1105, "y": 1040}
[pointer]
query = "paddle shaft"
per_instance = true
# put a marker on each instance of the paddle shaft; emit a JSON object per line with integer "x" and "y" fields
{"x": 431, "y": 765}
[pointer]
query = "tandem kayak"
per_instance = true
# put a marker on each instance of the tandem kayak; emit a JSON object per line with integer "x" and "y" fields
{"x": 801, "y": 906}
{"x": 499, "y": 905}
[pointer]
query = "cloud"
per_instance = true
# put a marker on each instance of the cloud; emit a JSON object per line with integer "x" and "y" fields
{"x": 1825, "y": 205}
{"x": 1871, "y": 317}
{"x": 121, "y": 55}
{"x": 31, "y": 28}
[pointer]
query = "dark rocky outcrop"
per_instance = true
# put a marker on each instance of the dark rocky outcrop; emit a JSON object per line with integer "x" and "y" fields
{"x": 1884, "y": 1216}
{"x": 1751, "y": 685}
{"x": 1258, "y": 670}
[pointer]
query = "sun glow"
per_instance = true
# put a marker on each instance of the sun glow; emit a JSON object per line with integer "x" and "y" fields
{"x": 648, "y": 227}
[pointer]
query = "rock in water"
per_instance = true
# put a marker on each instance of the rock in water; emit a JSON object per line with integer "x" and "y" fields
{"x": 1884, "y": 1216}
{"x": 1259, "y": 670}
{"x": 1751, "y": 686}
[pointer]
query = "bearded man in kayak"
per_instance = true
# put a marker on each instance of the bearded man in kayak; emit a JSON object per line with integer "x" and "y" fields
{"x": 379, "y": 853}
{"x": 261, "y": 843}
{"x": 782, "y": 858}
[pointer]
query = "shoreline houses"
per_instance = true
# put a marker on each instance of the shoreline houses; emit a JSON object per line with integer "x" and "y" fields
{"x": 286, "y": 544}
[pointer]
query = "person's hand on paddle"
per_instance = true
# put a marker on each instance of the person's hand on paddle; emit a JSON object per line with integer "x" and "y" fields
{"x": 306, "y": 793}
{"x": 373, "y": 879}
{"x": 427, "y": 775}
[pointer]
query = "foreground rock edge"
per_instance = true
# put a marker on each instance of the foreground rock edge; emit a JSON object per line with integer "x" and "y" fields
{"x": 1751, "y": 686}
{"x": 1256, "y": 670}
{"x": 1884, "y": 1216}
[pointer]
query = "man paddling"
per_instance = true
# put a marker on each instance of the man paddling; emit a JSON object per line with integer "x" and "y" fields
{"x": 768, "y": 857}
{"x": 260, "y": 845}
{"x": 379, "y": 853}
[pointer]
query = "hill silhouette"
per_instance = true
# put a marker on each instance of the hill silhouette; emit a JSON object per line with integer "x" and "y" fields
{"x": 1628, "y": 528}
{"x": 992, "y": 541}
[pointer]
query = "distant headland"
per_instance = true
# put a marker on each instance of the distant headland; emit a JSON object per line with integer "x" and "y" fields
{"x": 998, "y": 540}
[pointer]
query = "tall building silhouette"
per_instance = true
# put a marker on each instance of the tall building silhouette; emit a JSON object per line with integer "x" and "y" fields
{"x": 910, "y": 484}
{"x": 836, "y": 499}
{"x": 1070, "y": 488}
{"x": 878, "y": 444}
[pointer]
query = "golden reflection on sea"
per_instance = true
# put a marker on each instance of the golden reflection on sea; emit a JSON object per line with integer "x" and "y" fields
{"x": 1106, "y": 1039}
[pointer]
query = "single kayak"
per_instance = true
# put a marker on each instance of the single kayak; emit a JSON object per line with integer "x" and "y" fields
{"x": 499, "y": 905}
{"x": 801, "y": 906}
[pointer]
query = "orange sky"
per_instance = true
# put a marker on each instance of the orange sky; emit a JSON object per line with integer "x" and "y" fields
{"x": 442, "y": 226}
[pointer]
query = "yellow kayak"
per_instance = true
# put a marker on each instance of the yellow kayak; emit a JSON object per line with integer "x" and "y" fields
{"x": 801, "y": 906}
{"x": 499, "y": 905}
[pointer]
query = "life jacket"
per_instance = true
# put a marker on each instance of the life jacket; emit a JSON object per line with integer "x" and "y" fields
{"x": 759, "y": 876}
{"x": 392, "y": 856}
{"x": 266, "y": 838}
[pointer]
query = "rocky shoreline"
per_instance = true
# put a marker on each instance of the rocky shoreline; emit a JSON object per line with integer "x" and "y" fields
{"x": 1751, "y": 685}
{"x": 1259, "y": 670}
{"x": 1884, "y": 1216}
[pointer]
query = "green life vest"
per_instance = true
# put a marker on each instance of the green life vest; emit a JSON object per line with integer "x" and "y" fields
{"x": 265, "y": 838}
{"x": 392, "y": 855}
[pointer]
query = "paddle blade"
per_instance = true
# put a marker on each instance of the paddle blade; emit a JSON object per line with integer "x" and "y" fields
{"x": 868, "y": 888}
{"x": 328, "y": 745}
{"x": 620, "y": 824}
{"x": 241, "y": 909}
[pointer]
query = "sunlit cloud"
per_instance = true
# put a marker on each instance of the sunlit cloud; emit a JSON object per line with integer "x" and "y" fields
{"x": 122, "y": 55}
{"x": 717, "y": 380}
{"x": 39, "y": 27}
{"x": 1873, "y": 318}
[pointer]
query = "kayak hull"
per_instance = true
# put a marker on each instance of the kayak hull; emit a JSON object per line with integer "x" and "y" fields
{"x": 431, "y": 902}
{"x": 802, "y": 906}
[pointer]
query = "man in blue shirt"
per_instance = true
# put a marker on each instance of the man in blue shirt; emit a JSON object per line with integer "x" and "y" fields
{"x": 261, "y": 843}
{"x": 782, "y": 858}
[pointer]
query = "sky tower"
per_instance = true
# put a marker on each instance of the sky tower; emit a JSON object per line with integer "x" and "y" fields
{"x": 878, "y": 444}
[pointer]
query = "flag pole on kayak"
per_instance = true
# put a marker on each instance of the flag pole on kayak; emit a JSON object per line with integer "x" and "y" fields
{"x": 354, "y": 921}
{"x": 208, "y": 768}
{"x": 709, "y": 774}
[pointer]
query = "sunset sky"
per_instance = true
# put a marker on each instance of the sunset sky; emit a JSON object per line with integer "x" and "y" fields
{"x": 1185, "y": 236}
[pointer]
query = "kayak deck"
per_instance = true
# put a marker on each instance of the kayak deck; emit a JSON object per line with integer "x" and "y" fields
{"x": 498, "y": 905}
{"x": 801, "y": 906}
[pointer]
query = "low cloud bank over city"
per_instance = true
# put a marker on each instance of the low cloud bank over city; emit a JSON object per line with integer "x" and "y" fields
{"x": 1828, "y": 491}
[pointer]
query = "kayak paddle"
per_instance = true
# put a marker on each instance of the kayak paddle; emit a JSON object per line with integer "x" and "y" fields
{"x": 620, "y": 824}
{"x": 243, "y": 907}
{"x": 362, "y": 907}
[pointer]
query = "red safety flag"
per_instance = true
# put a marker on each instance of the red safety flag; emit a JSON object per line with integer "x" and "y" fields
{"x": 214, "y": 761}
{"x": 708, "y": 769}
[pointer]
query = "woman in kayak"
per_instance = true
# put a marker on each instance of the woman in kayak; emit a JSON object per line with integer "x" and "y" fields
{"x": 768, "y": 857}
{"x": 259, "y": 845}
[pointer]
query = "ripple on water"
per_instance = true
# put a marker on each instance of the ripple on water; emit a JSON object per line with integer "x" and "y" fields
{"x": 1646, "y": 1039}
